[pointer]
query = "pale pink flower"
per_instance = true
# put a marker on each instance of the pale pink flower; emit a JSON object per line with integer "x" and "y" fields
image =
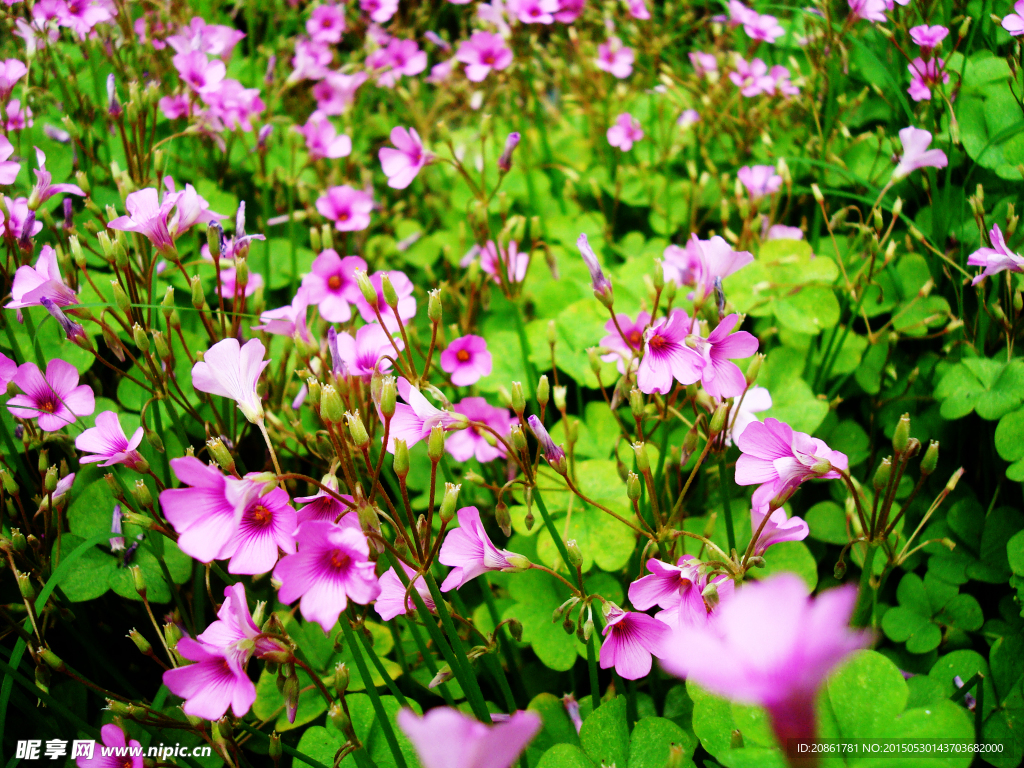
{"x": 106, "y": 442}
{"x": 469, "y": 443}
{"x": 554, "y": 454}
{"x": 330, "y": 567}
{"x": 336, "y": 93}
{"x": 752, "y": 77}
{"x": 311, "y": 61}
{"x": 780, "y": 666}
{"x": 638, "y": 9}
{"x": 630, "y": 639}
{"x": 760, "y": 180}
{"x": 780, "y": 75}
{"x": 232, "y": 106}
{"x": 18, "y": 119}
{"x": 764, "y": 28}
{"x": 740, "y": 14}
{"x": 21, "y": 222}
{"x": 406, "y": 301}
{"x": 687, "y": 118}
{"x": 8, "y": 370}
{"x": 625, "y": 132}
{"x": 322, "y": 138}
{"x": 447, "y": 738}
{"x": 533, "y": 11}
{"x": 55, "y": 399}
{"x": 440, "y": 72}
{"x": 621, "y": 351}
{"x": 515, "y": 262}
{"x": 11, "y": 71}
{"x": 231, "y": 370}
{"x": 467, "y": 360}
{"x": 778, "y": 528}
{"x": 679, "y": 590}
{"x": 779, "y": 460}
{"x": 996, "y": 259}
{"x": 43, "y": 281}
{"x": 114, "y": 739}
{"x": 289, "y": 320}
{"x": 402, "y": 163}
{"x": 360, "y": 355}
{"x": 704, "y": 63}
{"x": 399, "y": 58}
{"x": 481, "y": 53}
{"x": 214, "y": 39}
{"x": 783, "y": 232}
{"x": 754, "y": 401}
{"x": 916, "y": 153}
{"x": 43, "y": 189}
{"x": 1014, "y": 22}
{"x": 701, "y": 262}
{"x": 414, "y": 418}
{"x": 198, "y": 72}
{"x": 392, "y": 600}
{"x": 380, "y": 11}
{"x": 347, "y": 207}
{"x": 869, "y": 10}
{"x": 326, "y": 23}
{"x": 8, "y": 168}
{"x": 925, "y": 74}
{"x": 928, "y": 37}
{"x": 615, "y": 58}
{"x": 469, "y": 552}
{"x": 570, "y": 10}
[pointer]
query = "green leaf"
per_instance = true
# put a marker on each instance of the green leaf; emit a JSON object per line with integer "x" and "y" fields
{"x": 536, "y": 597}
{"x": 652, "y": 741}
{"x": 865, "y": 694}
{"x": 605, "y": 734}
{"x": 565, "y": 756}
{"x": 827, "y": 522}
{"x": 789, "y": 556}
{"x": 1015, "y": 553}
{"x": 557, "y": 728}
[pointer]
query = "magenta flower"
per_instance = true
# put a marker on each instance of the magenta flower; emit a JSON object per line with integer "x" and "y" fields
{"x": 630, "y": 639}
{"x": 414, "y": 418}
{"x": 54, "y": 400}
{"x": 752, "y": 77}
{"x": 721, "y": 377}
{"x": 869, "y": 10}
{"x": 43, "y": 189}
{"x": 916, "y": 153}
{"x": 447, "y": 738}
{"x": 481, "y": 53}
{"x": 116, "y": 742}
{"x": 704, "y": 63}
{"x": 326, "y": 23}
{"x": 666, "y": 356}
{"x": 996, "y": 259}
{"x": 533, "y": 11}
{"x": 782, "y": 665}
{"x": 289, "y": 320}
{"x": 515, "y": 262}
{"x": 347, "y": 207}
{"x": 360, "y": 355}
{"x": 701, "y": 261}
{"x": 380, "y": 11}
{"x": 147, "y": 215}
{"x": 11, "y": 71}
{"x": 925, "y": 74}
{"x": 778, "y": 528}
{"x": 406, "y": 301}
{"x": 18, "y": 119}
{"x": 231, "y": 290}
{"x": 622, "y": 351}
{"x": 756, "y": 400}
{"x": 322, "y": 138}
{"x": 8, "y": 168}
{"x": 570, "y": 10}
{"x": 625, "y": 132}
{"x": 760, "y": 180}
{"x": 231, "y": 370}
{"x": 198, "y": 72}
{"x": 206, "y": 514}
{"x": 43, "y": 281}
{"x": 267, "y": 524}
{"x": 214, "y": 39}
{"x": 232, "y": 106}
{"x": 615, "y": 58}
{"x": 764, "y": 28}
{"x": 235, "y": 626}
{"x": 311, "y": 61}
{"x": 1012, "y": 23}
{"x": 401, "y": 165}
{"x": 782, "y": 84}
{"x": 331, "y": 567}
{"x": 679, "y": 590}
{"x": 216, "y": 681}
{"x": 602, "y": 285}
{"x": 398, "y": 58}
{"x": 467, "y": 360}
{"x": 336, "y": 93}
{"x": 638, "y": 10}
{"x": 21, "y": 222}
{"x": 8, "y": 370}
{"x": 779, "y": 460}
{"x": 928, "y": 37}
{"x": 469, "y": 443}
{"x": 106, "y": 442}
{"x": 331, "y": 283}
{"x": 469, "y": 552}
{"x": 392, "y": 600}
{"x": 323, "y": 506}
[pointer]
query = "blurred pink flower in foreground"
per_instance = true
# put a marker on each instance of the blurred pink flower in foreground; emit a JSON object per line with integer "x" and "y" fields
{"x": 481, "y": 53}
{"x": 996, "y": 259}
{"x": 916, "y": 153}
{"x": 625, "y": 132}
{"x": 447, "y": 738}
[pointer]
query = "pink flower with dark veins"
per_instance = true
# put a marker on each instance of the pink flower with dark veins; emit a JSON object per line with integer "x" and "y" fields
{"x": 107, "y": 443}
{"x": 414, "y": 418}
{"x": 55, "y": 399}
{"x": 446, "y": 738}
{"x": 666, "y": 355}
{"x": 469, "y": 552}
{"x": 624, "y": 351}
{"x": 630, "y": 639}
{"x": 267, "y": 524}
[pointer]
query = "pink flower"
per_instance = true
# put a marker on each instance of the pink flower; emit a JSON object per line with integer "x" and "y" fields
{"x": 8, "y": 168}
{"x": 916, "y": 153}
{"x": 515, "y": 261}
{"x": 721, "y": 377}
{"x": 756, "y": 400}
{"x": 267, "y": 524}
{"x": 398, "y": 58}
{"x": 779, "y": 460}
{"x": 347, "y": 207}
{"x": 148, "y": 216}
{"x": 364, "y": 353}
{"x": 533, "y": 11}
{"x": 1014, "y": 22}
{"x": 43, "y": 281}
{"x": 553, "y": 454}
{"x": 752, "y": 78}
{"x": 332, "y": 286}
{"x": 323, "y": 506}
{"x": 11, "y": 71}
{"x": 679, "y": 590}
{"x": 113, "y": 737}
{"x": 778, "y": 528}
{"x": 625, "y": 132}
{"x": 216, "y": 681}
{"x": 380, "y": 11}
{"x": 782, "y": 232}
{"x": 392, "y": 600}
{"x": 760, "y": 180}
{"x": 469, "y": 443}
{"x": 996, "y": 259}
{"x": 175, "y": 107}
{"x": 570, "y": 10}
{"x": 311, "y": 61}
{"x": 82, "y": 16}
{"x": 401, "y": 165}
{"x": 55, "y": 399}
{"x": 322, "y": 138}
{"x": 214, "y": 39}
{"x": 687, "y": 118}
{"x": 289, "y": 320}
{"x": 206, "y": 514}
{"x": 21, "y": 222}
{"x": 231, "y": 290}
{"x": 198, "y": 72}
{"x": 232, "y": 106}
{"x": 406, "y": 301}
{"x": 8, "y": 370}
{"x": 630, "y": 639}
{"x": 928, "y": 38}
{"x": 623, "y": 351}
{"x": 106, "y": 442}
{"x": 43, "y": 189}
{"x": 701, "y": 261}
{"x": 235, "y": 626}
{"x": 440, "y": 72}
{"x": 414, "y": 418}
{"x": 925, "y": 74}
{"x": 765, "y": 28}
{"x": 869, "y": 10}
{"x": 666, "y": 356}
{"x": 704, "y": 63}
{"x": 467, "y": 360}
{"x": 638, "y": 10}
{"x": 231, "y": 370}
{"x": 447, "y": 738}
{"x": 17, "y": 118}
{"x": 780, "y": 76}
{"x": 326, "y": 23}
{"x": 780, "y": 666}
{"x": 469, "y": 552}
{"x": 740, "y": 14}
{"x": 615, "y": 58}
{"x": 481, "y": 53}
{"x": 330, "y": 568}
{"x": 336, "y": 93}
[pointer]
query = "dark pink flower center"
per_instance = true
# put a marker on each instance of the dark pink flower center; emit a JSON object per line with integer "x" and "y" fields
{"x": 635, "y": 337}
{"x": 338, "y": 559}
{"x": 462, "y": 355}
{"x": 658, "y": 343}
{"x": 334, "y": 282}
{"x": 262, "y": 516}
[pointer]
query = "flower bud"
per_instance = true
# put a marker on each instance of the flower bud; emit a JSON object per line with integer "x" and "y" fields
{"x": 434, "y": 307}
{"x": 435, "y": 443}
{"x": 390, "y": 295}
{"x": 839, "y": 571}
{"x": 401, "y": 463}
{"x": 560, "y": 393}
{"x": 753, "y": 369}
{"x": 367, "y": 289}
{"x": 314, "y": 391}
{"x": 518, "y": 438}
{"x": 503, "y": 518}
{"x": 274, "y": 747}
{"x": 757, "y": 562}
{"x": 643, "y": 462}
{"x": 633, "y": 486}
{"x": 444, "y": 674}
{"x": 882, "y": 474}
{"x": 515, "y": 628}
{"x": 172, "y": 634}
{"x": 529, "y": 520}
{"x": 25, "y": 586}
{"x": 139, "y": 580}
{"x": 357, "y": 429}
{"x": 388, "y": 395}
{"x": 341, "y": 678}
{"x": 140, "y": 642}
{"x": 198, "y": 297}
{"x": 50, "y": 480}
{"x": 10, "y": 485}
{"x": 505, "y": 161}
{"x": 141, "y": 339}
{"x": 575, "y": 556}
{"x": 518, "y": 399}
{"x": 636, "y": 403}
{"x": 332, "y": 410}
{"x": 931, "y": 458}
{"x": 518, "y": 563}
{"x": 449, "y": 502}
{"x": 901, "y": 436}
{"x": 141, "y": 494}
{"x": 543, "y": 391}
{"x": 214, "y": 233}
{"x": 120, "y": 297}
{"x": 594, "y": 358}
{"x": 290, "y": 691}
{"x": 314, "y": 240}
{"x": 718, "y": 420}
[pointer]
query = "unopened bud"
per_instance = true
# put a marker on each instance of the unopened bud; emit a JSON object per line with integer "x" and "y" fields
{"x": 633, "y": 486}
{"x": 543, "y": 391}
{"x": 575, "y": 556}
{"x": 50, "y": 479}
{"x": 198, "y": 296}
{"x": 120, "y": 297}
{"x": 141, "y": 494}
{"x": 882, "y": 474}
{"x": 718, "y": 420}
{"x": 560, "y": 394}
{"x": 503, "y": 518}
{"x": 449, "y": 502}
{"x": 140, "y": 642}
{"x": 931, "y": 458}
{"x": 636, "y": 403}
{"x": 332, "y": 410}
{"x": 518, "y": 438}
{"x": 341, "y": 678}
{"x": 367, "y": 289}
{"x": 435, "y": 443}
{"x": 139, "y": 580}
{"x": 753, "y": 369}
{"x": 25, "y": 586}
{"x": 901, "y": 436}
{"x": 221, "y": 454}
{"x": 401, "y": 463}
{"x": 518, "y": 400}
{"x": 357, "y": 429}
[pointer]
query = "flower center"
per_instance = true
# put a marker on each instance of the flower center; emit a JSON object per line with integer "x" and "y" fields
{"x": 343, "y": 216}
{"x": 339, "y": 559}
{"x": 48, "y": 406}
{"x": 488, "y": 58}
{"x": 634, "y": 338}
{"x": 462, "y": 355}
{"x": 658, "y": 342}
{"x": 262, "y": 515}
{"x": 334, "y": 282}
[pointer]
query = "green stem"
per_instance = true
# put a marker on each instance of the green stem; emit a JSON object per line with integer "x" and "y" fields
{"x": 382, "y": 671}
{"x": 862, "y": 611}
{"x": 730, "y": 531}
{"x": 524, "y": 348}
{"x": 429, "y": 661}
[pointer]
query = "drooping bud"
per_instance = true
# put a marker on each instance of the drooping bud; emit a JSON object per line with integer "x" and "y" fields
{"x": 602, "y": 285}
{"x": 140, "y": 642}
{"x": 515, "y": 628}
{"x": 505, "y": 161}
{"x": 554, "y": 454}
{"x": 503, "y": 518}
